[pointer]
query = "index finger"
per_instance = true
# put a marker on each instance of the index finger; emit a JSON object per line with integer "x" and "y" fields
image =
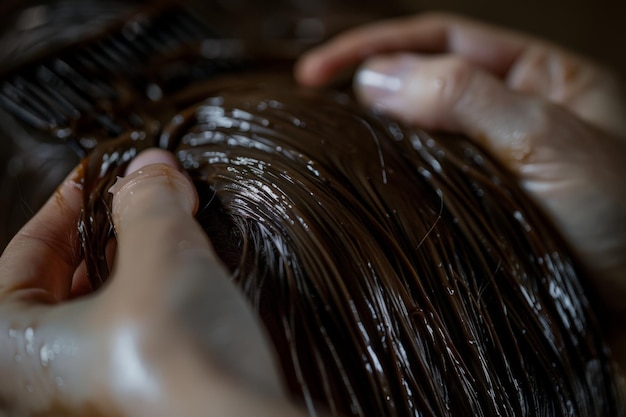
{"x": 42, "y": 258}
{"x": 486, "y": 46}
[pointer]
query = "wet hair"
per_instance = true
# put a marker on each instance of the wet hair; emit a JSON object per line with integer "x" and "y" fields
{"x": 113, "y": 39}
{"x": 398, "y": 272}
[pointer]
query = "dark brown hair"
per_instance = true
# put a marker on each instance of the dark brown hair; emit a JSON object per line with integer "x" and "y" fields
{"x": 398, "y": 272}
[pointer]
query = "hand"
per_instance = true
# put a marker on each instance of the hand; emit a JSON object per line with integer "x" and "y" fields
{"x": 555, "y": 120}
{"x": 168, "y": 335}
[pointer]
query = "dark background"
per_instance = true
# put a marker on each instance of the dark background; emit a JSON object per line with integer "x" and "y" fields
{"x": 596, "y": 28}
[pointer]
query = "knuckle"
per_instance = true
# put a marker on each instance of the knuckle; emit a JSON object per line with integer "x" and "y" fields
{"x": 42, "y": 239}
{"x": 542, "y": 117}
{"x": 454, "y": 80}
{"x": 557, "y": 74}
{"x": 438, "y": 89}
{"x": 528, "y": 73}
{"x": 537, "y": 139}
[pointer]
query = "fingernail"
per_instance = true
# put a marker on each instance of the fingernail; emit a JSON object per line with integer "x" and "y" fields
{"x": 149, "y": 163}
{"x": 168, "y": 180}
{"x": 151, "y": 170}
{"x": 380, "y": 79}
{"x": 146, "y": 158}
{"x": 150, "y": 157}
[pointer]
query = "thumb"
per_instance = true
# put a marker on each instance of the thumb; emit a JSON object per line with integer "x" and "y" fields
{"x": 153, "y": 188}
{"x": 448, "y": 93}
{"x": 166, "y": 267}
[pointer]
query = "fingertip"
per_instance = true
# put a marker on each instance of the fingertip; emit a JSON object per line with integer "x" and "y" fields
{"x": 300, "y": 70}
{"x": 379, "y": 79}
{"x": 154, "y": 183}
{"x": 150, "y": 157}
{"x": 396, "y": 85}
{"x": 449, "y": 93}
{"x": 309, "y": 70}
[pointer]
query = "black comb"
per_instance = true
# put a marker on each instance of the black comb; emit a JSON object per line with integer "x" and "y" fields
{"x": 83, "y": 89}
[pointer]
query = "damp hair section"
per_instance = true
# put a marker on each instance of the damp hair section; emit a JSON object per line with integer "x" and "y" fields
{"x": 397, "y": 272}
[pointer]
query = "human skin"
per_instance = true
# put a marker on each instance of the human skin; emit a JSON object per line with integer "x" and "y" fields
{"x": 555, "y": 120}
{"x": 147, "y": 344}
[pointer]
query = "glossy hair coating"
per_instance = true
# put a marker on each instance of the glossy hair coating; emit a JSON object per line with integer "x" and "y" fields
{"x": 398, "y": 272}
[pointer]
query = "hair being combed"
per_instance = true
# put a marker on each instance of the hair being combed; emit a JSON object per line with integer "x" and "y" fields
{"x": 398, "y": 273}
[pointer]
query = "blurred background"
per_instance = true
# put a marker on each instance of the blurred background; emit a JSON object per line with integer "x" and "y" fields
{"x": 596, "y": 28}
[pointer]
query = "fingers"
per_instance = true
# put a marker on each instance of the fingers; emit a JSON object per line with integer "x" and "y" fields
{"x": 433, "y": 92}
{"x": 169, "y": 299}
{"x": 448, "y": 93}
{"x": 491, "y": 48}
{"x": 591, "y": 92}
{"x": 166, "y": 269}
{"x": 153, "y": 211}
{"x": 40, "y": 261}
{"x": 524, "y": 64}
{"x": 570, "y": 168}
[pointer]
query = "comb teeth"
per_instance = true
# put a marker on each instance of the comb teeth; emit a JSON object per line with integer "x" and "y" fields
{"x": 80, "y": 87}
